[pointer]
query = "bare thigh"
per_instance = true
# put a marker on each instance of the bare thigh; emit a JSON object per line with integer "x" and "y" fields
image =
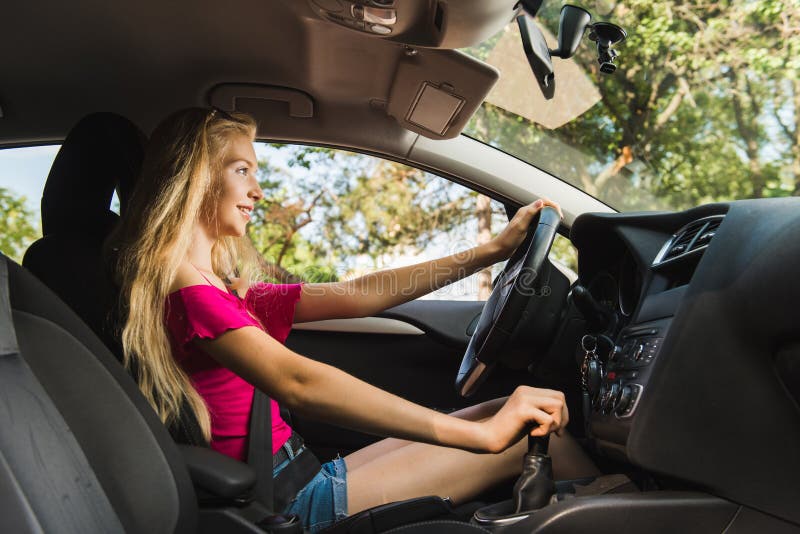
{"x": 394, "y": 470}
{"x": 385, "y": 446}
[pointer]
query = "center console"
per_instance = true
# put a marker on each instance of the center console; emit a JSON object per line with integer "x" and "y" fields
{"x": 623, "y": 371}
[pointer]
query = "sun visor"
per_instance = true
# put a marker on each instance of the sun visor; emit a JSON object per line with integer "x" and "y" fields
{"x": 435, "y": 92}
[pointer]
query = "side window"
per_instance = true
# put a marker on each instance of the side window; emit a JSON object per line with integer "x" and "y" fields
{"x": 329, "y": 215}
{"x": 332, "y": 215}
{"x": 23, "y": 172}
{"x": 565, "y": 254}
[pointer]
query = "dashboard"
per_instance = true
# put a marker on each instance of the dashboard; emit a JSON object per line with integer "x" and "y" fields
{"x": 694, "y": 334}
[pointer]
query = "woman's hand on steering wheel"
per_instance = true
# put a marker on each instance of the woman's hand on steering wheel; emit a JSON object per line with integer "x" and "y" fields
{"x": 515, "y": 231}
{"x": 527, "y": 407}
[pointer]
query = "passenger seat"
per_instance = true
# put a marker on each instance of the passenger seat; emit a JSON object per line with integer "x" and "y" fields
{"x": 102, "y": 152}
{"x": 140, "y": 471}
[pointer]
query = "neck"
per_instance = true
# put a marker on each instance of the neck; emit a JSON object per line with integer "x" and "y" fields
{"x": 199, "y": 253}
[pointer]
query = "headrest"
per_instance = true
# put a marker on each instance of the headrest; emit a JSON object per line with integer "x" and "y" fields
{"x": 102, "y": 152}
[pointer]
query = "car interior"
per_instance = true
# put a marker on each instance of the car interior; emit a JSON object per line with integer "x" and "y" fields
{"x": 677, "y": 345}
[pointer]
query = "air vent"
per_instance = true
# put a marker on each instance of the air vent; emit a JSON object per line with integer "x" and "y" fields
{"x": 693, "y": 237}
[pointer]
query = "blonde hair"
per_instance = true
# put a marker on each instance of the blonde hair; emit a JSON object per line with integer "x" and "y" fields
{"x": 180, "y": 182}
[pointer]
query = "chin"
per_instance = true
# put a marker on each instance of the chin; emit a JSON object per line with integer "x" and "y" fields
{"x": 232, "y": 231}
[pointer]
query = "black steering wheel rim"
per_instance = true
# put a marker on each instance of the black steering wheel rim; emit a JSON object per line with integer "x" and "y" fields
{"x": 513, "y": 289}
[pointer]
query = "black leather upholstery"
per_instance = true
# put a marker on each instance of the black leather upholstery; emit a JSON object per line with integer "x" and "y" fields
{"x": 103, "y": 151}
{"x": 137, "y": 464}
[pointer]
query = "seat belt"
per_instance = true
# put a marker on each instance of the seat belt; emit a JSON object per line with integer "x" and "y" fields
{"x": 56, "y": 480}
{"x": 274, "y": 493}
{"x": 259, "y": 447}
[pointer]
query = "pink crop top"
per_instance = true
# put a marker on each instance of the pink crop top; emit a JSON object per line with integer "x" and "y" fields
{"x": 205, "y": 311}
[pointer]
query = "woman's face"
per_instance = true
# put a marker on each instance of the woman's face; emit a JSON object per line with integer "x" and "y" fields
{"x": 240, "y": 189}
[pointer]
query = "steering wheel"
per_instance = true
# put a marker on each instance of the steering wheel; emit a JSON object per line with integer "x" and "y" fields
{"x": 513, "y": 290}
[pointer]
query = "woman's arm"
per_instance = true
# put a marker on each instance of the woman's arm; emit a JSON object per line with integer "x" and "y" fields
{"x": 327, "y": 394}
{"x": 375, "y": 292}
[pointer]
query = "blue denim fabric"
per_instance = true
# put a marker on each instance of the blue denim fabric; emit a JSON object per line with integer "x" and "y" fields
{"x": 323, "y": 500}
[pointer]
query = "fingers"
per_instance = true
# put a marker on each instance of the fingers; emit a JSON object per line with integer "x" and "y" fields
{"x": 561, "y": 401}
{"x": 546, "y": 422}
{"x": 545, "y": 407}
{"x": 526, "y": 407}
{"x": 534, "y": 207}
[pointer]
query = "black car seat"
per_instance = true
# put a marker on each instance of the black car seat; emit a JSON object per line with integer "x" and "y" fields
{"x": 102, "y": 152}
{"x": 136, "y": 480}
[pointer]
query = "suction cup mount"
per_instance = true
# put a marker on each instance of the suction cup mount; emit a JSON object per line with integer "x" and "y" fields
{"x": 606, "y": 35}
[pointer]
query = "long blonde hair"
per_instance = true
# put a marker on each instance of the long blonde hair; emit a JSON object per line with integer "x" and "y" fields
{"x": 180, "y": 182}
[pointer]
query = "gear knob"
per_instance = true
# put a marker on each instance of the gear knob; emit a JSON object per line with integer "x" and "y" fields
{"x": 538, "y": 444}
{"x": 535, "y": 485}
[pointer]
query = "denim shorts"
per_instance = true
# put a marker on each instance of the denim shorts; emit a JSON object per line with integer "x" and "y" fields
{"x": 323, "y": 500}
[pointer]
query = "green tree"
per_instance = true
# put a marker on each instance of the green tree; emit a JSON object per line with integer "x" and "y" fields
{"x": 703, "y": 107}
{"x": 324, "y": 209}
{"x": 17, "y": 226}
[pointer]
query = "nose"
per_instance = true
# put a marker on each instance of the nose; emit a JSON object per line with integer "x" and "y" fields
{"x": 255, "y": 192}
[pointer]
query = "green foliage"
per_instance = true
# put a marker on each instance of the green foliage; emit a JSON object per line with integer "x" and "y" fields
{"x": 17, "y": 230}
{"x": 703, "y": 107}
{"x": 563, "y": 252}
{"x": 331, "y": 213}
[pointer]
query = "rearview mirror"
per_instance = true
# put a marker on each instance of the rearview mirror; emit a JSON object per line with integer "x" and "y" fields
{"x": 538, "y": 55}
{"x": 571, "y": 26}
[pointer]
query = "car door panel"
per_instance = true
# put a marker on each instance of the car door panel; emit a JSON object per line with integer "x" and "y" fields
{"x": 419, "y": 365}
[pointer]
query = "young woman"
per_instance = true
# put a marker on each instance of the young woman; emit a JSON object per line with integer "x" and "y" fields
{"x": 202, "y": 332}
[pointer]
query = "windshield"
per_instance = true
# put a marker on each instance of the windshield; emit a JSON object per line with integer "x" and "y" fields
{"x": 704, "y": 105}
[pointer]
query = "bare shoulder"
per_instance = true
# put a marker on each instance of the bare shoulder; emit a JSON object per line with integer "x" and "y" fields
{"x": 186, "y": 276}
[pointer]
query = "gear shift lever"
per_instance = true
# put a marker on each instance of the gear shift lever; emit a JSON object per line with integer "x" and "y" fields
{"x": 535, "y": 485}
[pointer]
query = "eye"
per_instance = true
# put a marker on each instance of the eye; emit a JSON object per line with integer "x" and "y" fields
{"x": 244, "y": 171}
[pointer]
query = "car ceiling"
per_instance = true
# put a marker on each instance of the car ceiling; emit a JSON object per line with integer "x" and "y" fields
{"x": 146, "y": 59}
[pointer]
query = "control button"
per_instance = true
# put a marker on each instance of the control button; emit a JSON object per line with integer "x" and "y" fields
{"x": 381, "y": 30}
{"x": 625, "y": 400}
{"x": 628, "y": 400}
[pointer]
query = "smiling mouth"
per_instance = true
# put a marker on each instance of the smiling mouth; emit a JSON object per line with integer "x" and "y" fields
{"x": 245, "y": 211}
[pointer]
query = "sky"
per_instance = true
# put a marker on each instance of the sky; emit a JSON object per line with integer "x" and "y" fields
{"x": 24, "y": 171}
